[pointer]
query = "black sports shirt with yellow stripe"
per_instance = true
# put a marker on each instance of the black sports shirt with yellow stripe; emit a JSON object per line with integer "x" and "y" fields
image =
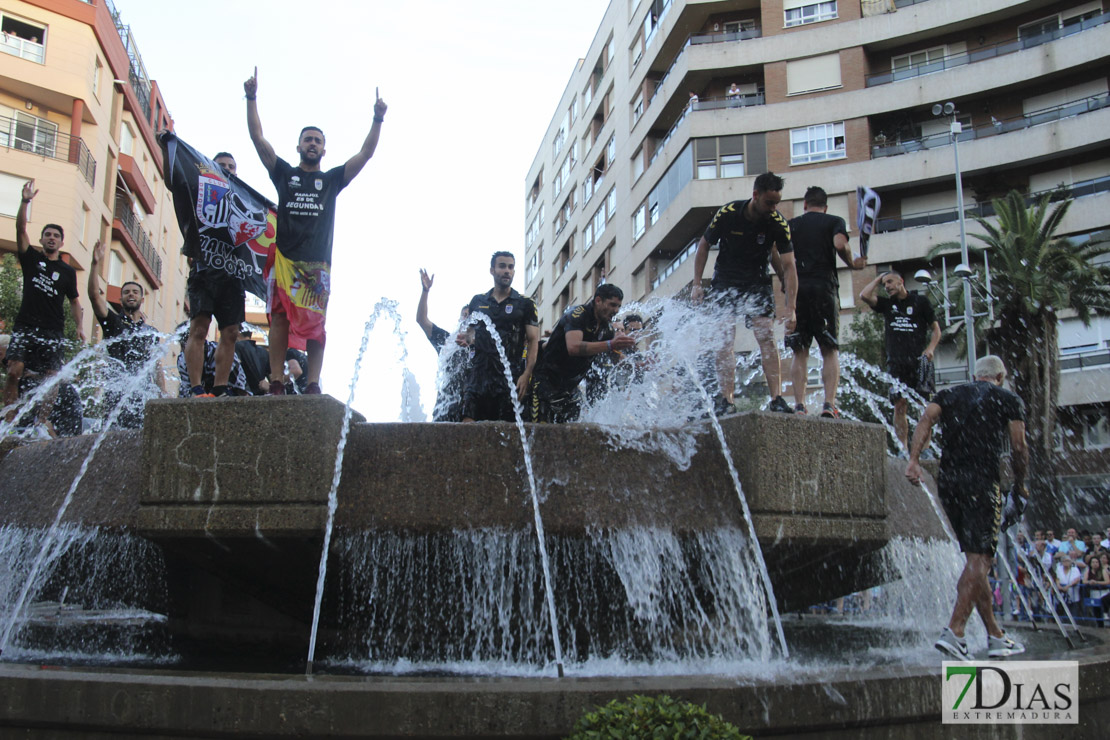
{"x": 745, "y": 245}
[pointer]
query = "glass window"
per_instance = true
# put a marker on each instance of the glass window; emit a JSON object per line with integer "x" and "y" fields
{"x": 817, "y": 143}
{"x": 637, "y": 164}
{"x": 588, "y": 236}
{"x": 812, "y": 13}
{"x": 637, "y": 106}
{"x": 917, "y": 59}
{"x": 599, "y": 221}
{"x": 611, "y": 204}
{"x": 732, "y": 165}
{"x": 707, "y": 169}
{"x": 23, "y": 39}
{"x": 30, "y": 133}
{"x": 639, "y": 222}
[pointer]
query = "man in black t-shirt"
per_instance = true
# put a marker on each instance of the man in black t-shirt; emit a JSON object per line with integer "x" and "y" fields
{"x": 518, "y": 326}
{"x": 38, "y": 331}
{"x": 912, "y": 335}
{"x": 300, "y": 267}
{"x": 130, "y": 341}
{"x": 976, "y": 420}
{"x": 254, "y": 360}
{"x": 752, "y": 234}
{"x": 818, "y": 239}
{"x": 582, "y": 335}
{"x": 449, "y": 401}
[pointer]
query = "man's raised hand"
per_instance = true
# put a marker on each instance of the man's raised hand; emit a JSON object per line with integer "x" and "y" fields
{"x": 98, "y": 252}
{"x": 426, "y": 280}
{"x": 379, "y": 105}
{"x": 29, "y": 191}
{"x": 250, "y": 87}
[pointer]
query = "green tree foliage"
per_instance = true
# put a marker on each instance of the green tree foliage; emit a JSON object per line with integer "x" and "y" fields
{"x": 1034, "y": 276}
{"x": 645, "y": 717}
{"x": 11, "y": 291}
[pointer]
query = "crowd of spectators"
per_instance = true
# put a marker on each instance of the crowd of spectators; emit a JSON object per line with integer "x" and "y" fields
{"x": 1078, "y": 566}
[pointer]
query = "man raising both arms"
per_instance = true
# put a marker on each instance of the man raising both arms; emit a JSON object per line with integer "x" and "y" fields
{"x": 37, "y": 334}
{"x": 751, "y": 233}
{"x": 300, "y": 280}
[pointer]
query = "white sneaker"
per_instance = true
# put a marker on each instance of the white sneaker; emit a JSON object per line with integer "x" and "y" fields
{"x": 954, "y": 646}
{"x": 1003, "y": 647}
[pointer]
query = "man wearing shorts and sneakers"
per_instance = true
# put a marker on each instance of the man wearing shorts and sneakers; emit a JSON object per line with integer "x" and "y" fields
{"x": 752, "y": 234}
{"x": 976, "y": 419}
{"x": 912, "y": 333}
{"x": 818, "y": 238}
{"x": 37, "y": 334}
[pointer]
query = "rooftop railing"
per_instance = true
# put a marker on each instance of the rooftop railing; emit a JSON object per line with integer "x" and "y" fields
{"x": 983, "y": 53}
{"x": 136, "y": 75}
{"x": 996, "y": 127}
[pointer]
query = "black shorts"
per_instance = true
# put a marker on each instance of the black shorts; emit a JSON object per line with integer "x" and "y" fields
{"x": 215, "y": 293}
{"x": 749, "y": 300}
{"x": 488, "y": 406}
{"x": 974, "y": 507}
{"x": 908, "y": 372}
{"x": 40, "y": 350}
{"x": 552, "y": 405}
{"x": 818, "y": 315}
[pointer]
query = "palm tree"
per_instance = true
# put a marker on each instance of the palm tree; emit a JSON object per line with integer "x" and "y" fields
{"x": 1035, "y": 275}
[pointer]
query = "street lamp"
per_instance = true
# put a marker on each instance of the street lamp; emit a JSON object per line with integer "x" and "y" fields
{"x": 955, "y": 128}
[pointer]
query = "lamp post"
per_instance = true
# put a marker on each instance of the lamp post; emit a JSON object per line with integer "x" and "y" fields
{"x": 963, "y": 270}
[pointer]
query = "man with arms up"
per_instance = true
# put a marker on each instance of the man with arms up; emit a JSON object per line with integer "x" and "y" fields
{"x": 134, "y": 340}
{"x": 912, "y": 333}
{"x": 301, "y": 272}
{"x": 518, "y": 324}
{"x": 582, "y": 334}
{"x": 751, "y": 232}
{"x": 38, "y": 332}
{"x": 818, "y": 239}
{"x": 976, "y": 419}
{"x": 213, "y": 292}
{"x": 449, "y": 403}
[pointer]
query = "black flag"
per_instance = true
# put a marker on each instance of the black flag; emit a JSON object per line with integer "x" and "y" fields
{"x": 225, "y": 223}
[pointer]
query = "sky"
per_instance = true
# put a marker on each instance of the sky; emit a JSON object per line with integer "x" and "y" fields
{"x": 471, "y": 88}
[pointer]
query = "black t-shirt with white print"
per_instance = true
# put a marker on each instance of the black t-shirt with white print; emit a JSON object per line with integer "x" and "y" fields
{"x": 46, "y": 286}
{"x": 306, "y": 211}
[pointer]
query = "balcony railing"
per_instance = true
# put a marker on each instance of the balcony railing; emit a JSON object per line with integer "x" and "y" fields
{"x": 985, "y": 130}
{"x": 32, "y": 51}
{"x": 730, "y": 101}
{"x": 673, "y": 265}
{"x": 986, "y": 52}
{"x": 986, "y": 210}
{"x": 29, "y": 137}
{"x": 127, "y": 217}
{"x": 136, "y": 75}
{"x": 1069, "y": 361}
{"x": 698, "y": 39}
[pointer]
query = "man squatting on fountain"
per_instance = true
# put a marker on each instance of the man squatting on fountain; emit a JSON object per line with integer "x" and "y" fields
{"x": 305, "y": 225}
{"x": 582, "y": 334}
{"x": 752, "y": 233}
{"x": 518, "y": 325}
{"x": 975, "y": 418}
{"x": 37, "y": 334}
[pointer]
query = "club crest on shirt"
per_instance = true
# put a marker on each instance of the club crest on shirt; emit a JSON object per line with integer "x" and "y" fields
{"x": 319, "y": 184}
{"x": 761, "y": 239}
{"x": 295, "y": 182}
{"x": 909, "y": 310}
{"x": 509, "y": 308}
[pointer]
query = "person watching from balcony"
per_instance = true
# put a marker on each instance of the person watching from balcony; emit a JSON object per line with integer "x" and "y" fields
{"x": 449, "y": 403}
{"x": 752, "y": 234}
{"x": 305, "y": 224}
{"x": 130, "y": 342}
{"x": 733, "y": 92}
{"x": 213, "y": 293}
{"x": 912, "y": 335}
{"x": 976, "y": 419}
{"x": 582, "y": 335}
{"x": 818, "y": 239}
{"x": 38, "y": 337}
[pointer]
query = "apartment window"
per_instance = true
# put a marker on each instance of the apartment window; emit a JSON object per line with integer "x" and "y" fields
{"x": 636, "y": 51}
{"x": 611, "y": 205}
{"x": 534, "y": 193}
{"x": 1039, "y": 28}
{"x": 533, "y": 267}
{"x": 799, "y": 12}
{"x": 637, "y": 164}
{"x": 639, "y": 222}
{"x": 587, "y": 236}
{"x": 610, "y": 51}
{"x": 917, "y": 59}
{"x": 1096, "y": 430}
{"x": 23, "y": 39}
{"x": 29, "y": 133}
{"x": 588, "y": 93}
{"x": 599, "y": 221}
{"x": 814, "y": 73}
{"x": 560, "y": 135}
{"x": 817, "y": 143}
{"x": 11, "y": 191}
{"x": 115, "y": 268}
{"x": 638, "y": 106}
{"x": 747, "y": 24}
{"x": 98, "y": 72}
{"x": 719, "y": 157}
{"x": 573, "y": 110}
{"x": 610, "y": 152}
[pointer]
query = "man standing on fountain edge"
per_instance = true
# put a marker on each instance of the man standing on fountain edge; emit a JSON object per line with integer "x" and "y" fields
{"x": 299, "y": 269}
{"x": 752, "y": 233}
{"x": 975, "y": 419}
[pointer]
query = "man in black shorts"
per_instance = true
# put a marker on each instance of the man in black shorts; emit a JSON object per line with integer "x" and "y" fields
{"x": 211, "y": 293}
{"x": 518, "y": 325}
{"x": 818, "y": 238}
{"x": 912, "y": 333}
{"x": 752, "y": 233}
{"x": 38, "y": 331}
{"x": 449, "y": 401}
{"x": 976, "y": 419}
{"x": 131, "y": 342}
{"x": 582, "y": 334}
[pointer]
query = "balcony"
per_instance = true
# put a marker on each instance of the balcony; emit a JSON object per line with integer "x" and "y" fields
{"x": 986, "y": 210}
{"x": 32, "y": 51}
{"x": 1070, "y": 361}
{"x": 128, "y": 230}
{"x": 136, "y": 75}
{"x": 698, "y": 39}
{"x": 37, "y": 136}
{"x": 986, "y": 52}
{"x": 1036, "y": 118}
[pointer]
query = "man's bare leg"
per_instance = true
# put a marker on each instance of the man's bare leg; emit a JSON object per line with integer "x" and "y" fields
{"x": 799, "y": 372}
{"x": 315, "y": 352}
{"x": 11, "y": 387}
{"x": 764, "y": 329}
{"x": 279, "y": 343}
{"x": 225, "y": 353}
{"x": 901, "y": 425}
{"x": 726, "y": 364}
{"x": 973, "y": 591}
{"x": 830, "y": 373}
{"x": 194, "y": 349}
